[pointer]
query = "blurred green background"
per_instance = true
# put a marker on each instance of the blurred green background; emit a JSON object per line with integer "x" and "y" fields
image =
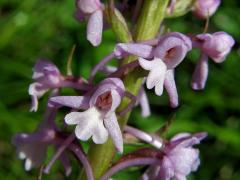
{"x": 31, "y": 29}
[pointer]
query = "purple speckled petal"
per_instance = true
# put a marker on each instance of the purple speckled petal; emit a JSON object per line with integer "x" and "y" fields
{"x": 95, "y": 27}
{"x": 114, "y": 130}
{"x": 200, "y": 74}
{"x": 171, "y": 88}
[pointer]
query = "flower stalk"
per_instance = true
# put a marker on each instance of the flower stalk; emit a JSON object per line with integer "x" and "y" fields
{"x": 148, "y": 24}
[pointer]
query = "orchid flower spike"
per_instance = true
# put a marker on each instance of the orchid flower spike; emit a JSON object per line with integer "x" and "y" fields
{"x": 33, "y": 147}
{"x": 174, "y": 160}
{"x": 93, "y": 11}
{"x": 205, "y": 8}
{"x": 99, "y": 118}
{"x": 216, "y": 46}
{"x": 179, "y": 158}
{"x": 170, "y": 52}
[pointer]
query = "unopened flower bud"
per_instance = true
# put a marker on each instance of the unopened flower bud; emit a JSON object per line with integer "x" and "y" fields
{"x": 205, "y": 8}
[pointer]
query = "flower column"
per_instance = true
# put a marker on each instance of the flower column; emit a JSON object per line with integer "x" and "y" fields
{"x": 152, "y": 14}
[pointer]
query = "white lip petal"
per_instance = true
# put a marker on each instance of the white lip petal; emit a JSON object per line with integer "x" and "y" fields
{"x": 28, "y": 164}
{"x": 89, "y": 124}
{"x": 75, "y": 117}
{"x": 100, "y": 134}
{"x": 83, "y": 132}
{"x": 145, "y": 64}
{"x": 159, "y": 88}
{"x": 156, "y": 75}
{"x": 21, "y": 155}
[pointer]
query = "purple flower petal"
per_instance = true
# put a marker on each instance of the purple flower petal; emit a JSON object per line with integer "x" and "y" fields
{"x": 113, "y": 85}
{"x": 172, "y": 49}
{"x": 114, "y": 130}
{"x": 200, "y": 74}
{"x": 171, "y": 88}
{"x": 166, "y": 169}
{"x": 123, "y": 49}
{"x": 89, "y": 6}
{"x": 183, "y": 159}
{"x": 217, "y": 46}
{"x": 95, "y": 27}
{"x": 76, "y": 102}
{"x": 205, "y": 8}
{"x": 143, "y": 101}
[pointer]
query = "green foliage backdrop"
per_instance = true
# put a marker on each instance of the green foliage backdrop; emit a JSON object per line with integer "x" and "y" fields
{"x": 31, "y": 29}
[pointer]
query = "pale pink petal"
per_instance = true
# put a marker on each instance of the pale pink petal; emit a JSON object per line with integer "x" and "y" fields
{"x": 218, "y": 46}
{"x": 123, "y": 49}
{"x": 116, "y": 100}
{"x": 170, "y": 86}
{"x": 106, "y": 85}
{"x": 95, "y": 27}
{"x": 205, "y": 8}
{"x": 76, "y": 102}
{"x": 89, "y": 6}
{"x": 146, "y": 64}
{"x": 100, "y": 134}
{"x": 172, "y": 51}
{"x": 166, "y": 169}
{"x": 183, "y": 158}
{"x": 143, "y": 101}
{"x": 200, "y": 74}
{"x": 114, "y": 130}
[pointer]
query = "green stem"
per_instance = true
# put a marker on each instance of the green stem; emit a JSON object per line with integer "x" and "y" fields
{"x": 152, "y": 14}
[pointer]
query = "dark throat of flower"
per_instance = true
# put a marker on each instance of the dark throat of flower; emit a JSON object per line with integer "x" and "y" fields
{"x": 104, "y": 101}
